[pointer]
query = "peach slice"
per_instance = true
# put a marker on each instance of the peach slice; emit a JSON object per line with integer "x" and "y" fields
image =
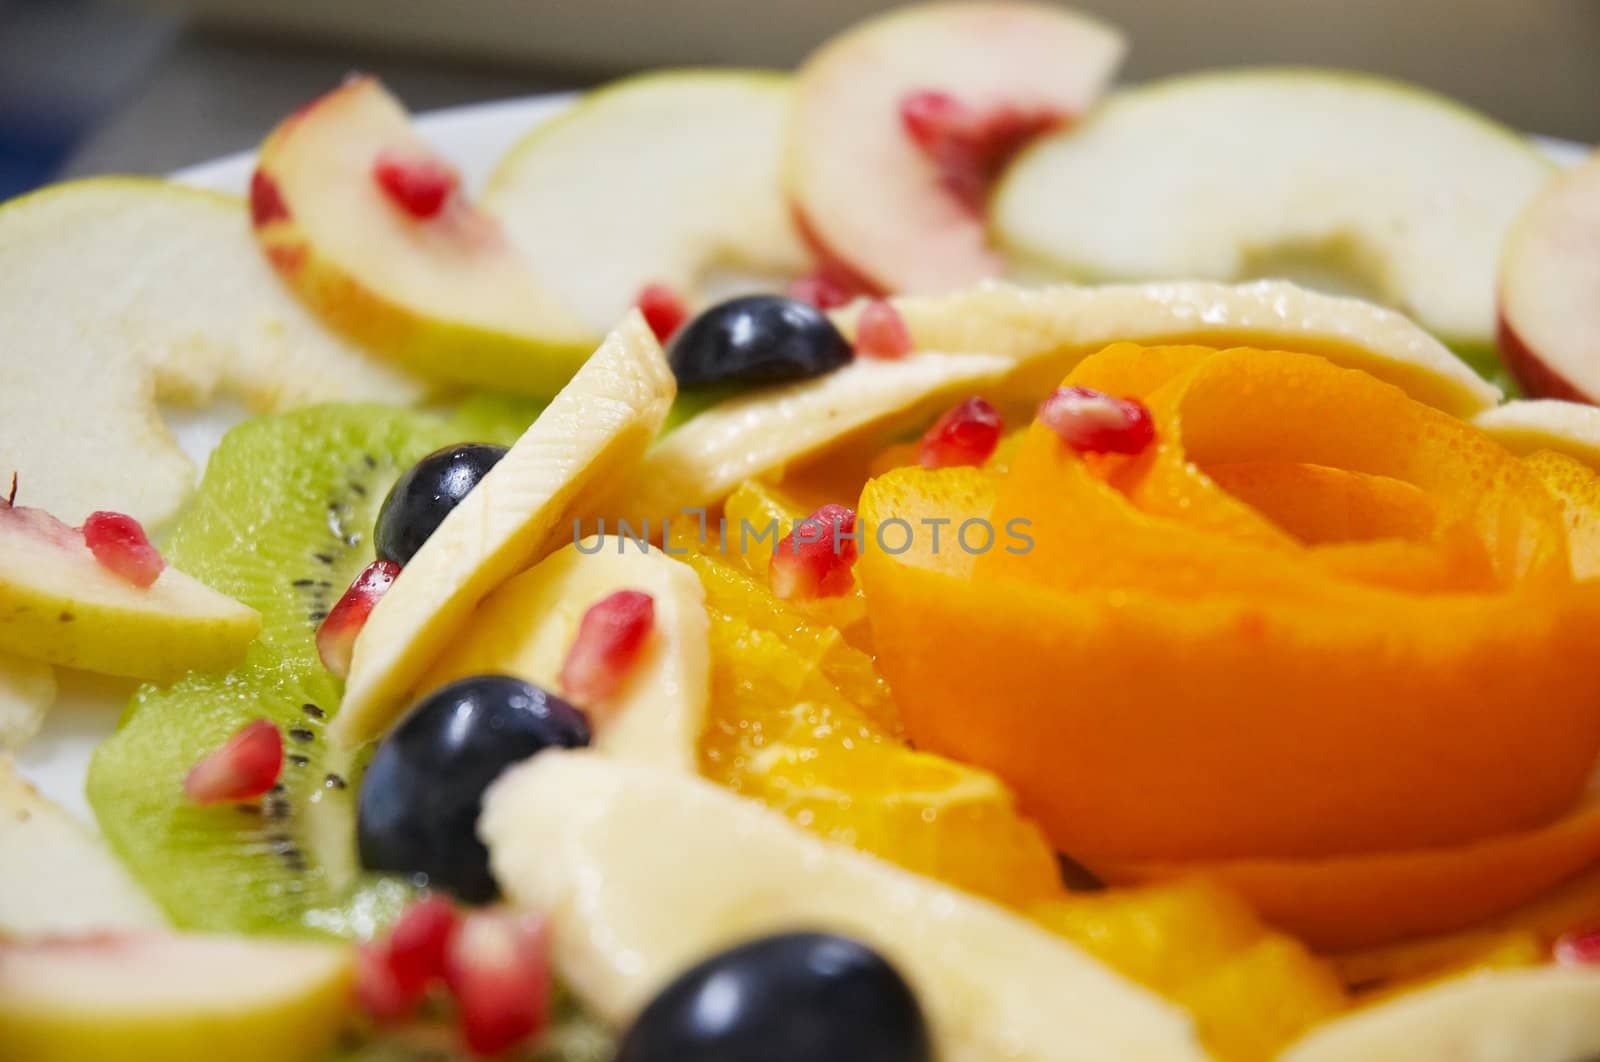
{"x": 1549, "y": 326}
{"x": 867, "y": 195}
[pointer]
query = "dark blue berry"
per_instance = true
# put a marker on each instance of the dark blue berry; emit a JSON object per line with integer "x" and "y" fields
{"x": 757, "y": 339}
{"x": 421, "y": 498}
{"x": 420, "y": 798}
{"x": 798, "y": 997}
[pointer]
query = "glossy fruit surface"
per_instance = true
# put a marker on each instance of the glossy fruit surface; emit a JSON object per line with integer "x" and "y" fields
{"x": 420, "y": 798}
{"x": 421, "y": 498}
{"x": 757, "y": 339}
{"x": 796, "y": 997}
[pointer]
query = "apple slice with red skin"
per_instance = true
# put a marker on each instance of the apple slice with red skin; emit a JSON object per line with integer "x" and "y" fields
{"x": 1549, "y": 328}
{"x": 893, "y": 210}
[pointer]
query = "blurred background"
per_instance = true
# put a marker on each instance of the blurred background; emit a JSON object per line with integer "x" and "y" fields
{"x": 94, "y": 86}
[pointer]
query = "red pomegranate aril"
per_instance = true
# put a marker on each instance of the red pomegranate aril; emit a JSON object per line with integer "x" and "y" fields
{"x": 881, "y": 332}
{"x": 663, "y": 310}
{"x": 930, "y": 116}
{"x": 119, "y": 543}
{"x": 245, "y": 767}
{"x": 420, "y": 941}
{"x": 418, "y": 184}
{"x": 966, "y": 435}
{"x": 498, "y": 969}
{"x": 336, "y": 636}
{"x": 815, "y": 559}
{"x": 610, "y": 638}
{"x": 379, "y": 991}
{"x": 1092, "y": 422}
{"x": 1578, "y": 948}
{"x": 822, "y": 290}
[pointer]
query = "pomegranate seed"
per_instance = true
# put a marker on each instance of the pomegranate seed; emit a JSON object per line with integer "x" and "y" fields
{"x": 1093, "y": 422}
{"x": 881, "y": 332}
{"x": 394, "y": 974}
{"x": 1578, "y": 948}
{"x": 418, "y": 184}
{"x": 663, "y": 311}
{"x": 930, "y": 116}
{"x": 814, "y": 560}
{"x": 379, "y": 991}
{"x": 822, "y": 290}
{"x": 246, "y": 766}
{"x": 336, "y": 637}
{"x": 969, "y": 148}
{"x": 120, "y": 545}
{"x": 966, "y": 435}
{"x": 266, "y": 201}
{"x": 498, "y": 969}
{"x": 610, "y": 637}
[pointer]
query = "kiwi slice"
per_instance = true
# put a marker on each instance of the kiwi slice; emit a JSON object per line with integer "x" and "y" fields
{"x": 282, "y": 520}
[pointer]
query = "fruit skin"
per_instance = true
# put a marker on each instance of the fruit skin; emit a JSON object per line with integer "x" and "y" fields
{"x": 421, "y": 795}
{"x": 566, "y": 468}
{"x": 61, "y": 605}
{"x": 757, "y": 339}
{"x": 421, "y": 498}
{"x": 1549, "y": 269}
{"x": 447, "y": 297}
{"x": 134, "y": 996}
{"x": 795, "y": 997}
{"x": 864, "y": 191}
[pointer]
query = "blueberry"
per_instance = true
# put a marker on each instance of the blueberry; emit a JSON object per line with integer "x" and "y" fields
{"x": 420, "y": 798}
{"x": 797, "y": 997}
{"x": 421, "y": 498}
{"x": 757, "y": 339}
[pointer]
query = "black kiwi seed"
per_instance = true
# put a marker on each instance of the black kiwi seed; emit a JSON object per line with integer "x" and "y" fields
{"x": 298, "y": 760}
{"x": 333, "y": 781}
{"x": 301, "y": 734}
{"x": 313, "y": 712}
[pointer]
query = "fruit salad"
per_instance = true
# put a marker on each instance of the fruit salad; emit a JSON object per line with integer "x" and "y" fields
{"x": 920, "y": 559}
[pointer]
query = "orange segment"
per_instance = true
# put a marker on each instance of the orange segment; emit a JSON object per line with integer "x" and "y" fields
{"x": 1576, "y": 486}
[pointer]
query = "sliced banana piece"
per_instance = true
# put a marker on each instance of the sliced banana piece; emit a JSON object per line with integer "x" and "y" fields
{"x": 59, "y": 877}
{"x": 1047, "y": 330}
{"x": 1551, "y": 1014}
{"x": 563, "y": 469}
{"x": 27, "y": 690}
{"x": 763, "y": 430}
{"x": 647, "y": 871}
{"x": 526, "y": 627}
{"x": 1526, "y": 425}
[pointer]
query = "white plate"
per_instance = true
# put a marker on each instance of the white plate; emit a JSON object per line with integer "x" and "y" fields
{"x": 473, "y": 137}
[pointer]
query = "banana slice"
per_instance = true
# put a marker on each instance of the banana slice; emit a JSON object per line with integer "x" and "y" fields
{"x": 764, "y": 430}
{"x": 60, "y": 877}
{"x": 1570, "y": 428}
{"x": 525, "y": 628}
{"x": 646, "y": 871}
{"x": 1551, "y": 1014}
{"x": 564, "y": 468}
{"x": 27, "y": 690}
{"x": 1046, "y": 331}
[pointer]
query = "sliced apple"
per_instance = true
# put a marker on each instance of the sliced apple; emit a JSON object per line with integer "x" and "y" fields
{"x": 1526, "y": 425}
{"x": 864, "y": 191}
{"x": 364, "y": 221}
{"x": 1537, "y": 1015}
{"x": 175, "y": 997}
{"x": 27, "y": 690}
{"x": 61, "y": 605}
{"x": 1046, "y": 331}
{"x": 762, "y": 431}
{"x": 526, "y": 627}
{"x": 60, "y": 877}
{"x": 119, "y": 292}
{"x": 564, "y": 469}
{"x": 1550, "y": 290}
{"x": 701, "y": 190}
{"x": 645, "y": 872}
{"x": 1337, "y": 179}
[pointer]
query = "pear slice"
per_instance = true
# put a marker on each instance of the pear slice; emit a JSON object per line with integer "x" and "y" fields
{"x": 445, "y": 295}
{"x": 526, "y": 627}
{"x": 1533, "y": 1015}
{"x": 60, "y": 877}
{"x": 701, "y": 190}
{"x": 564, "y": 469}
{"x": 1046, "y": 331}
{"x": 58, "y": 604}
{"x": 120, "y": 292}
{"x": 645, "y": 872}
{"x": 136, "y": 996}
{"x": 763, "y": 430}
{"x": 1338, "y": 179}
{"x": 27, "y": 690}
{"x": 1526, "y": 425}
